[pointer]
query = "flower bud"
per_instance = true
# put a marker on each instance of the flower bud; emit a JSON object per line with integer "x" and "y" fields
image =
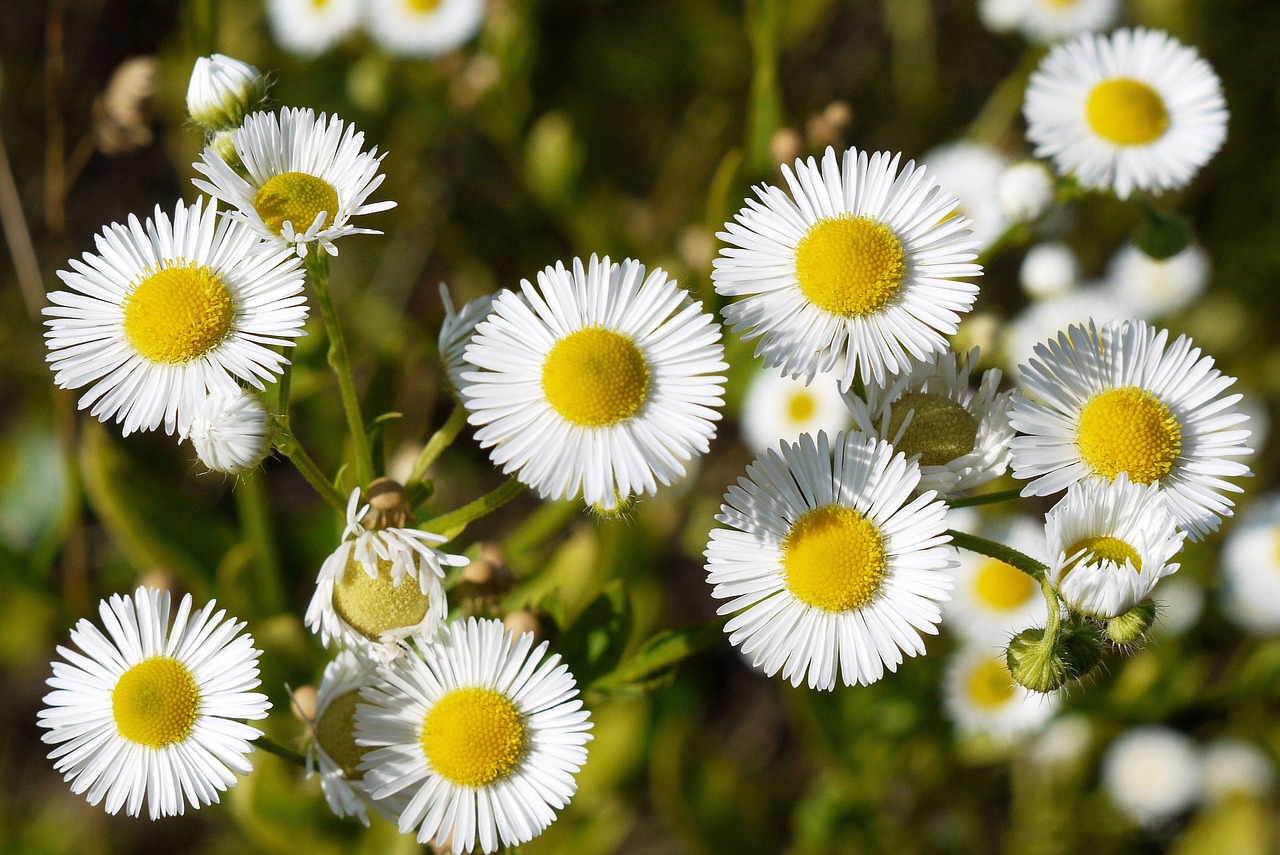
{"x": 1035, "y": 664}
{"x": 223, "y": 142}
{"x": 230, "y": 432}
{"x": 223, "y": 91}
{"x": 1081, "y": 648}
{"x": 388, "y": 505}
{"x": 1131, "y": 626}
{"x": 1025, "y": 191}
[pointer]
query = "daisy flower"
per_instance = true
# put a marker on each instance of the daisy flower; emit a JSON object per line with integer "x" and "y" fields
{"x": 148, "y": 710}
{"x": 1152, "y": 773}
{"x": 1126, "y": 400}
{"x": 597, "y": 381}
{"x": 423, "y": 27}
{"x": 379, "y": 586}
{"x": 168, "y": 312}
{"x": 309, "y": 28}
{"x": 1135, "y": 110}
{"x": 1251, "y": 567}
{"x": 778, "y": 407}
{"x": 307, "y": 177}
{"x": 1051, "y": 20}
{"x": 827, "y": 563}
{"x": 992, "y": 601}
{"x": 959, "y": 435}
{"x": 456, "y": 331}
{"x": 980, "y": 696}
{"x": 972, "y": 171}
{"x": 1107, "y": 544}
{"x": 854, "y": 273}
{"x": 483, "y": 731}
{"x": 231, "y": 433}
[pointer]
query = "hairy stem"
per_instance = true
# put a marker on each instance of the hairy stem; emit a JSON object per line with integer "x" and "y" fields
{"x": 999, "y": 551}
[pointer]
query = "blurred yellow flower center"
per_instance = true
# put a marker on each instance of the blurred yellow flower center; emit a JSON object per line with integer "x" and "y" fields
{"x": 990, "y": 685}
{"x": 1128, "y": 430}
{"x": 335, "y": 731}
{"x": 1095, "y": 550}
{"x": 833, "y": 559}
{"x": 849, "y": 265}
{"x": 1126, "y": 112}
{"x": 177, "y": 314}
{"x": 595, "y": 377}
{"x": 1002, "y": 586}
{"x": 296, "y": 197}
{"x": 422, "y": 7}
{"x": 473, "y": 737}
{"x": 371, "y": 606}
{"x": 940, "y": 431}
{"x": 155, "y": 702}
{"x": 801, "y": 406}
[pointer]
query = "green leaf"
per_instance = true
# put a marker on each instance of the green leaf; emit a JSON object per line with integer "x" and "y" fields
{"x": 659, "y": 654}
{"x": 594, "y": 644}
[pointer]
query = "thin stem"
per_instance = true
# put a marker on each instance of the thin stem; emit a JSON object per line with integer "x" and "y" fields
{"x": 290, "y": 448}
{"x": 252, "y": 506}
{"x": 451, "y": 524}
{"x": 999, "y": 551}
{"x": 985, "y": 498}
{"x": 1054, "y": 609}
{"x": 270, "y": 746}
{"x": 440, "y": 440}
{"x": 546, "y": 522}
{"x": 340, "y": 362}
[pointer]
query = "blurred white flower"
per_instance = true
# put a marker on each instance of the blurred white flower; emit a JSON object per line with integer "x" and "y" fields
{"x": 1025, "y": 190}
{"x": 1152, "y": 773}
{"x": 1051, "y": 20}
{"x": 1251, "y": 567}
{"x": 1049, "y": 270}
{"x": 309, "y": 28}
{"x": 1179, "y": 604}
{"x": 776, "y": 407}
{"x": 1234, "y": 767}
{"x": 972, "y": 171}
{"x": 981, "y": 697}
{"x": 423, "y": 27}
{"x": 1153, "y": 287}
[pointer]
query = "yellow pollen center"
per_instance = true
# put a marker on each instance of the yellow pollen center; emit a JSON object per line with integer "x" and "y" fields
{"x": 1002, "y": 586}
{"x": 335, "y": 731}
{"x": 801, "y": 407}
{"x": 1126, "y": 112}
{"x": 833, "y": 559}
{"x": 371, "y": 606}
{"x": 595, "y": 377}
{"x": 155, "y": 703}
{"x": 849, "y": 265}
{"x": 990, "y": 686}
{"x": 940, "y": 431}
{"x": 1099, "y": 549}
{"x": 1128, "y": 430}
{"x": 295, "y": 197}
{"x": 177, "y": 314}
{"x": 473, "y": 737}
{"x": 423, "y": 7}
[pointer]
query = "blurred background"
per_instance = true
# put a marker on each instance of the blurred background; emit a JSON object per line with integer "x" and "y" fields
{"x": 632, "y": 128}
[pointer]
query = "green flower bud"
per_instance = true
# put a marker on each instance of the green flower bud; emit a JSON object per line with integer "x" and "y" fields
{"x": 1036, "y": 663}
{"x": 1081, "y": 646}
{"x": 1131, "y": 626}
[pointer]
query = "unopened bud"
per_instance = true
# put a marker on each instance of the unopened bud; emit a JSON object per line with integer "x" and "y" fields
{"x": 388, "y": 505}
{"x": 1036, "y": 664}
{"x": 224, "y": 145}
{"x": 230, "y": 432}
{"x": 223, "y": 91}
{"x": 1025, "y": 190}
{"x": 1081, "y": 646}
{"x": 785, "y": 146}
{"x": 525, "y": 620}
{"x": 303, "y": 704}
{"x": 1131, "y": 626}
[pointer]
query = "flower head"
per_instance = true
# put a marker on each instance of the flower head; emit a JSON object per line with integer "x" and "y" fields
{"x": 778, "y": 407}
{"x": 981, "y": 697}
{"x": 423, "y": 27}
{"x": 456, "y": 332}
{"x": 1152, "y": 773}
{"x": 223, "y": 91}
{"x": 309, "y": 28}
{"x": 231, "y": 433}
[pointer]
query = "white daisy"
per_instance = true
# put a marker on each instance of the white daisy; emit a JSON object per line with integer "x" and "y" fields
{"x": 456, "y": 331}
{"x": 1025, "y": 191}
{"x": 1107, "y": 544}
{"x": 1002, "y": 16}
{"x": 854, "y": 273}
{"x": 1045, "y": 318}
{"x": 1135, "y": 110}
{"x": 1251, "y": 567}
{"x": 149, "y": 710}
{"x": 170, "y": 311}
{"x": 307, "y": 177}
{"x": 379, "y": 586}
{"x": 972, "y": 172}
{"x": 423, "y": 27}
{"x": 310, "y": 27}
{"x": 1051, "y": 20}
{"x": 981, "y": 697}
{"x": 958, "y": 434}
{"x": 597, "y": 381}
{"x": 231, "y": 433}
{"x": 1152, "y": 773}
{"x": 777, "y": 407}
{"x": 830, "y": 565}
{"x": 992, "y": 601}
{"x": 1154, "y": 287}
{"x": 1127, "y": 400}
{"x": 1049, "y": 270}
{"x": 484, "y": 731}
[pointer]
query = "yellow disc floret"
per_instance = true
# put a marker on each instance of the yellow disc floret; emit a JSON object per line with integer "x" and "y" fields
{"x": 177, "y": 314}
{"x": 1126, "y": 112}
{"x": 155, "y": 703}
{"x": 1095, "y": 550}
{"x": 335, "y": 731}
{"x": 1128, "y": 430}
{"x": 296, "y": 197}
{"x": 1002, "y": 586}
{"x": 801, "y": 406}
{"x": 423, "y": 7}
{"x": 473, "y": 737}
{"x": 833, "y": 559}
{"x": 595, "y": 377}
{"x": 849, "y": 265}
{"x": 990, "y": 685}
{"x": 940, "y": 431}
{"x": 374, "y": 605}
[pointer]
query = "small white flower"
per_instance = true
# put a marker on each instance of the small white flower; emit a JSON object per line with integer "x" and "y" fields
{"x": 1152, "y": 773}
{"x": 456, "y": 331}
{"x": 231, "y": 433}
{"x": 981, "y": 697}
{"x": 1025, "y": 190}
{"x": 423, "y": 27}
{"x": 1051, "y": 20}
{"x": 992, "y": 601}
{"x": 1234, "y": 767}
{"x": 1155, "y": 287}
{"x": 1002, "y": 16}
{"x": 222, "y": 91}
{"x": 1179, "y": 604}
{"x": 309, "y": 28}
{"x": 1063, "y": 742}
{"x": 776, "y": 407}
{"x": 1049, "y": 270}
{"x": 1251, "y": 567}
{"x": 972, "y": 171}
{"x": 1044, "y": 319}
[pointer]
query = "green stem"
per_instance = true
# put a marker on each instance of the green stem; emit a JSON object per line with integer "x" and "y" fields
{"x": 282, "y": 391}
{"x": 985, "y": 498}
{"x": 290, "y": 448}
{"x": 270, "y": 746}
{"x": 1054, "y": 609}
{"x": 451, "y": 524}
{"x": 253, "y": 509}
{"x": 999, "y": 551}
{"x": 764, "y": 107}
{"x": 1002, "y": 107}
{"x": 340, "y": 362}
{"x": 440, "y": 440}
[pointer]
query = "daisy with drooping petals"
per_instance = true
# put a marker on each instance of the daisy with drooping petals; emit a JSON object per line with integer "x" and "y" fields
{"x": 992, "y": 601}
{"x": 231, "y": 433}
{"x": 481, "y": 730}
{"x": 379, "y": 586}
{"x": 423, "y": 27}
{"x": 149, "y": 709}
{"x": 982, "y": 698}
{"x": 832, "y": 568}
{"x": 1134, "y": 110}
{"x": 456, "y": 331}
{"x": 307, "y": 177}
{"x": 170, "y": 311}
{"x": 1108, "y": 544}
{"x": 777, "y": 407}
{"x": 310, "y": 27}
{"x": 598, "y": 381}
{"x": 855, "y": 273}
{"x": 1126, "y": 400}
{"x": 959, "y": 435}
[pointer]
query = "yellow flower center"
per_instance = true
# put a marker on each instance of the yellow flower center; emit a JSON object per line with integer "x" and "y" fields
{"x": 833, "y": 559}
{"x": 940, "y": 431}
{"x": 1099, "y": 549}
{"x": 990, "y": 686}
{"x": 595, "y": 377}
{"x": 177, "y": 314}
{"x": 335, "y": 731}
{"x": 295, "y": 197}
{"x": 155, "y": 703}
{"x": 1002, "y": 586}
{"x": 473, "y": 737}
{"x": 1126, "y": 112}
{"x": 850, "y": 266}
{"x": 371, "y": 606}
{"x": 801, "y": 406}
{"x": 1128, "y": 430}
{"x": 423, "y": 7}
